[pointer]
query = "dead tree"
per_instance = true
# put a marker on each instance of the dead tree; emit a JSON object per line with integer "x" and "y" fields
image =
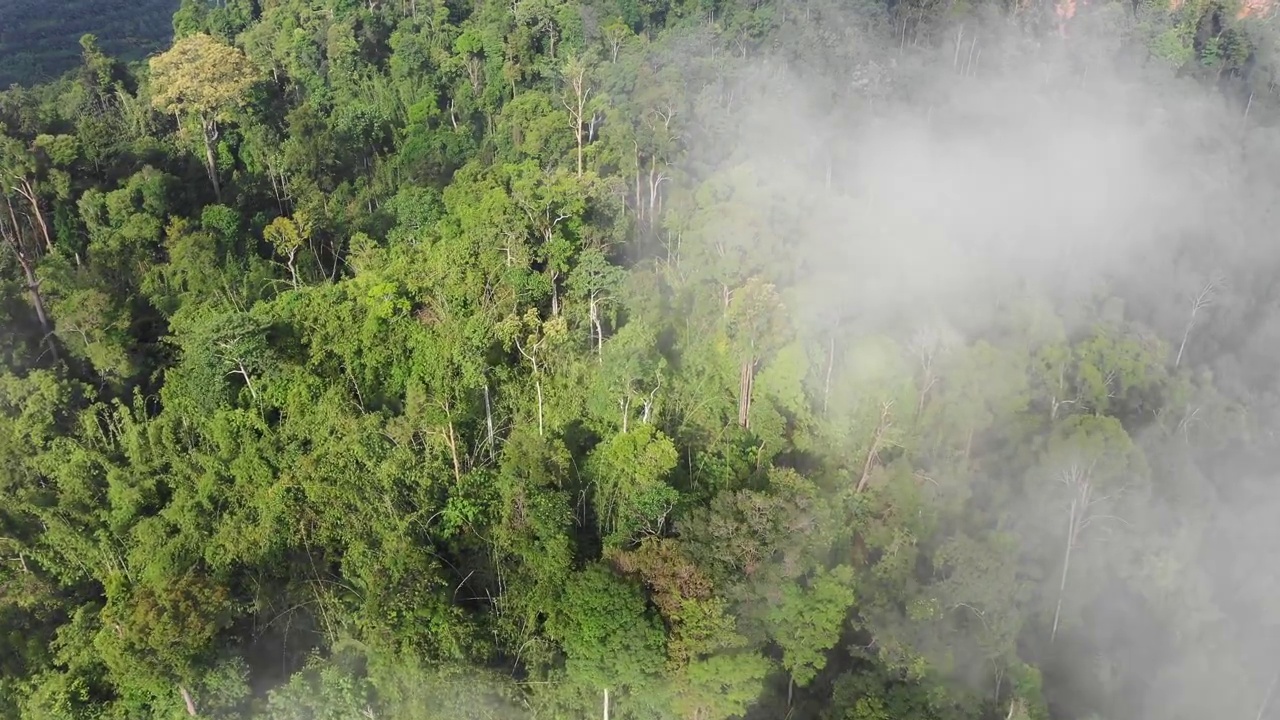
{"x": 25, "y": 189}
{"x": 576, "y": 75}
{"x": 877, "y": 444}
{"x": 1199, "y": 301}
{"x": 1081, "y": 514}
{"x": 11, "y": 232}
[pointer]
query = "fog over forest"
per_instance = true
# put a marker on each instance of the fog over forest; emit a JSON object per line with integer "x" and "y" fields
{"x": 1056, "y": 171}
{"x": 634, "y": 360}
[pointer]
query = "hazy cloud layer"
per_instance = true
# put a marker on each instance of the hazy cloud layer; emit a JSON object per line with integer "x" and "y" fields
{"x": 937, "y": 190}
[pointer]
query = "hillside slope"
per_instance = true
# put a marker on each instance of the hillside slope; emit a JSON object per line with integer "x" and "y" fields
{"x": 40, "y": 39}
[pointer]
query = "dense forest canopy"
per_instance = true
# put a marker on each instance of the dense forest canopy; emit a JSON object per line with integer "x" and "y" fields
{"x": 635, "y": 359}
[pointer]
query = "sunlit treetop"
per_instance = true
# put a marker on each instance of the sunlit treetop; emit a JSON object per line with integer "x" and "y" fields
{"x": 201, "y": 75}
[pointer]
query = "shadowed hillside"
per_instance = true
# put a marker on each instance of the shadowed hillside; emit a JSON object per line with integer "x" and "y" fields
{"x": 40, "y": 39}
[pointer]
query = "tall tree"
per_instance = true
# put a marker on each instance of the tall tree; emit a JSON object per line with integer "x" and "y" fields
{"x": 206, "y": 79}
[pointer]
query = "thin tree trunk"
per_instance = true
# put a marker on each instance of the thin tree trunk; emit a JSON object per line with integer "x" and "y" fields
{"x": 29, "y": 193}
{"x": 606, "y": 704}
{"x": 244, "y": 373}
{"x": 210, "y": 158}
{"x": 1266, "y": 699}
{"x": 186, "y": 698}
{"x": 866, "y": 465}
{"x": 746, "y": 380}
{"x": 655, "y": 182}
{"x": 293, "y": 271}
{"x": 831, "y": 362}
{"x": 452, "y": 439}
{"x": 33, "y": 288}
{"x": 874, "y": 450}
{"x": 648, "y": 405}
{"x": 1183, "y": 345}
{"x": 538, "y": 385}
{"x": 578, "y": 134}
{"x": 1202, "y": 300}
{"x": 599, "y": 329}
{"x": 1066, "y": 567}
{"x": 488, "y": 419}
{"x": 14, "y": 240}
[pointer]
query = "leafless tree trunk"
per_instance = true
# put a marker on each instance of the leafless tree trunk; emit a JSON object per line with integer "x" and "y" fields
{"x": 648, "y": 404}
{"x": 597, "y": 327}
{"x": 926, "y": 344}
{"x": 831, "y": 363}
{"x": 1266, "y": 699}
{"x": 243, "y": 372}
{"x": 656, "y": 178}
{"x": 1202, "y": 300}
{"x": 877, "y": 440}
{"x": 1066, "y": 568}
{"x": 532, "y": 355}
{"x": 25, "y": 190}
{"x": 538, "y": 385}
{"x": 1080, "y": 482}
{"x": 451, "y": 440}
{"x": 293, "y": 270}
{"x": 745, "y": 382}
{"x": 488, "y": 419}
{"x": 186, "y": 698}
{"x": 576, "y": 73}
{"x": 210, "y": 134}
{"x": 12, "y": 235}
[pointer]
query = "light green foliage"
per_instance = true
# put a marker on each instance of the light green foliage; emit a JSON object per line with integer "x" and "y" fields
{"x": 629, "y": 469}
{"x": 721, "y": 686}
{"x": 809, "y": 620}
{"x": 200, "y": 75}
{"x": 322, "y": 690}
{"x": 496, "y": 374}
{"x": 609, "y": 639}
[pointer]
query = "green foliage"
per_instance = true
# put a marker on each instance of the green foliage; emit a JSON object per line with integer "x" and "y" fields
{"x": 609, "y": 638}
{"x": 631, "y": 497}
{"x": 488, "y": 380}
{"x": 809, "y": 620}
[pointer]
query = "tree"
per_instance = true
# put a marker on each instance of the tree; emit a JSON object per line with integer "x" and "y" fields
{"x": 629, "y": 471}
{"x": 206, "y": 79}
{"x": 809, "y": 620}
{"x": 756, "y": 324}
{"x": 11, "y": 233}
{"x": 609, "y": 639}
{"x": 597, "y": 281}
{"x": 224, "y": 344}
{"x": 532, "y": 338}
{"x": 577, "y": 97}
{"x": 629, "y": 377}
{"x": 288, "y": 236}
{"x": 1093, "y": 462}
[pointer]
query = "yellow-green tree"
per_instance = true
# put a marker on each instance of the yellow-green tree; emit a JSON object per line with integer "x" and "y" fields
{"x": 203, "y": 78}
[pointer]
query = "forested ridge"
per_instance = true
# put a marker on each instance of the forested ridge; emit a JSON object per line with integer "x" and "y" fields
{"x": 693, "y": 359}
{"x": 39, "y": 39}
